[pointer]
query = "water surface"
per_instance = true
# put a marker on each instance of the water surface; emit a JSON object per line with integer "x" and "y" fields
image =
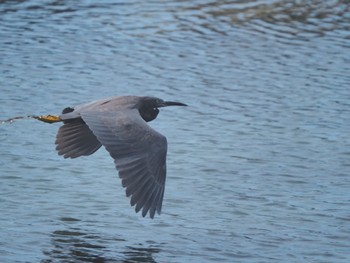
{"x": 258, "y": 165}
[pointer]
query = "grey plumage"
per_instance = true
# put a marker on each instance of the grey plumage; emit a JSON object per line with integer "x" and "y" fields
{"x": 119, "y": 124}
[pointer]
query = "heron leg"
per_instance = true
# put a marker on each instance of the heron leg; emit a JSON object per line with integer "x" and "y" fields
{"x": 48, "y": 118}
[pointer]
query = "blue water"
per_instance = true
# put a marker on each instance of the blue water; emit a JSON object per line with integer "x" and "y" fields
{"x": 258, "y": 164}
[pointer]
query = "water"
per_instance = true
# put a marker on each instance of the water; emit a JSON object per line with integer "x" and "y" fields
{"x": 258, "y": 165}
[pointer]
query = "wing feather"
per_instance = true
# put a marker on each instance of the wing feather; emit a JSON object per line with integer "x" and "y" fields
{"x": 139, "y": 153}
{"x": 149, "y": 200}
{"x": 74, "y": 139}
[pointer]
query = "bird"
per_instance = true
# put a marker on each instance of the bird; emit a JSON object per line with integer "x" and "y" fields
{"x": 120, "y": 125}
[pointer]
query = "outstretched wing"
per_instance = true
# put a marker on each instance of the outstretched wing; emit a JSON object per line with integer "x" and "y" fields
{"x": 139, "y": 153}
{"x": 74, "y": 139}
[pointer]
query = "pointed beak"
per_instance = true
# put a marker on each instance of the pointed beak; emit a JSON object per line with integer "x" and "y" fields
{"x": 172, "y": 103}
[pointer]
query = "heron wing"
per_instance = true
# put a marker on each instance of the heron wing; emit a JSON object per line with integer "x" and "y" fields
{"x": 139, "y": 153}
{"x": 74, "y": 139}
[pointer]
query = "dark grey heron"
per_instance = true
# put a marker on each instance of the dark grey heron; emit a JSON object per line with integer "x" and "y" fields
{"x": 119, "y": 124}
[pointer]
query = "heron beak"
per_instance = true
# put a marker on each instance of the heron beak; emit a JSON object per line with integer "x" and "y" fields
{"x": 172, "y": 103}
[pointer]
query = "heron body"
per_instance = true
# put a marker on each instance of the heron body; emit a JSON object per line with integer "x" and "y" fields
{"x": 120, "y": 125}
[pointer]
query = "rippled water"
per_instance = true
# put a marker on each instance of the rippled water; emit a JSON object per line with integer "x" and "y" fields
{"x": 258, "y": 165}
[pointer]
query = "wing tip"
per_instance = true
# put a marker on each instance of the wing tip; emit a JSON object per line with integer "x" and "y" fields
{"x": 151, "y": 210}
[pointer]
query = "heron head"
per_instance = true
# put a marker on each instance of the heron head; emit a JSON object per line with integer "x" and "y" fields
{"x": 149, "y": 107}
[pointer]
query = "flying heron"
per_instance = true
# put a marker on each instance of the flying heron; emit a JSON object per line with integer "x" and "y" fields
{"x": 119, "y": 124}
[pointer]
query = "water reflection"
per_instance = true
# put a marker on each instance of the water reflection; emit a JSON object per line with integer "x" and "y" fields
{"x": 285, "y": 19}
{"x": 73, "y": 244}
{"x": 139, "y": 254}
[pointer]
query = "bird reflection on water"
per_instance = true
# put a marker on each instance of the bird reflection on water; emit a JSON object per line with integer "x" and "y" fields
{"x": 77, "y": 245}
